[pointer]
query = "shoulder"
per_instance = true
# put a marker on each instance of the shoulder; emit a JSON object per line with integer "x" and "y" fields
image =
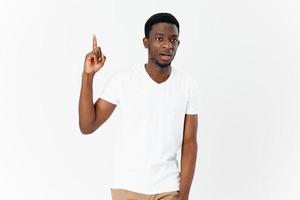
{"x": 122, "y": 76}
{"x": 126, "y": 71}
{"x": 121, "y": 73}
{"x": 186, "y": 77}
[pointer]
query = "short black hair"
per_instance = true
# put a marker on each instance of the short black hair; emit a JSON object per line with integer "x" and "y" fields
{"x": 157, "y": 18}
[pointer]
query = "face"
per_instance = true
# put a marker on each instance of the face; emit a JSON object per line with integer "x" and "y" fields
{"x": 162, "y": 44}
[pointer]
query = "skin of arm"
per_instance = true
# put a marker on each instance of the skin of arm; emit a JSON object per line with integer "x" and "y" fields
{"x": 86, "y": 106}
{"x": 92, "y": 116}
{"x": 188, "y": 155}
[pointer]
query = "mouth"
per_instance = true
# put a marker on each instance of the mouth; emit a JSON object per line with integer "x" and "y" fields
{"x": 165, "y": 56}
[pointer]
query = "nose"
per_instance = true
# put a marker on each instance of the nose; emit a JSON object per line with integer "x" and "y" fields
{"x": 167, "y": 44}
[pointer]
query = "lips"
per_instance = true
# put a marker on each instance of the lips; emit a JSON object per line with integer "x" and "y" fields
{"x": 166, "y": 56}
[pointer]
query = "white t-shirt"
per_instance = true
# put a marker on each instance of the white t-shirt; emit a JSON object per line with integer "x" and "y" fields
{"x": 151, "y": 128}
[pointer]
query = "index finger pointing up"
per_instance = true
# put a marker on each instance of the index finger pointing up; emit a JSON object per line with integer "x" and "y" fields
{"x": 94, "y": 43}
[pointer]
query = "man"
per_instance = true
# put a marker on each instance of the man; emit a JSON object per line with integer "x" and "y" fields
{"x": 158, "y": 106}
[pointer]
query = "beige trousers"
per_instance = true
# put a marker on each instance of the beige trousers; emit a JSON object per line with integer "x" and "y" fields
{"x": 122, "y": 194}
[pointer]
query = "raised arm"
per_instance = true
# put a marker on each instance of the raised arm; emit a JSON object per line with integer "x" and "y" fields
{"x": 92, "y": 116}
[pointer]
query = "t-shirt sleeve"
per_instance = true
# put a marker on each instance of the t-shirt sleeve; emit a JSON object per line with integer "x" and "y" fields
{"x": 111, "y": 90}
{"x": 193, "y": 103}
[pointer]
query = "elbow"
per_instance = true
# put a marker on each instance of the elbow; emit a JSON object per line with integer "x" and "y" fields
{"x": 86, "y": 129}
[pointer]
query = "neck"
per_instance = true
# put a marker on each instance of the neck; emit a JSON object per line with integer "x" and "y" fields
{"x": 157, "y": 73}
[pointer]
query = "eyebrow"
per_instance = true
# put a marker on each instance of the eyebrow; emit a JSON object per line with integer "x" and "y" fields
{"x": 175, "y": 35}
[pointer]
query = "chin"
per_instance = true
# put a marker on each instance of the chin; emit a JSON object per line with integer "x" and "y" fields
{"x": 163, "y": 65}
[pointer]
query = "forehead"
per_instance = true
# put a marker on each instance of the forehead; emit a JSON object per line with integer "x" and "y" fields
{"x": 164, "y": 28}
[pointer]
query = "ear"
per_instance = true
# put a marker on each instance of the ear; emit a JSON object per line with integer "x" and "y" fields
{"x": 178, "y": 43}
{"x": 146, "y": 42}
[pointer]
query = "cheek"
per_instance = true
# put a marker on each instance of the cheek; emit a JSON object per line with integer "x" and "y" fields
{"x": 154, "y": 48}
{"x": 150, "y": 49}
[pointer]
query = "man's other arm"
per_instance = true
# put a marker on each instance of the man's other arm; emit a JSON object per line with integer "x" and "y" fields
{"x": 188, "y": 155}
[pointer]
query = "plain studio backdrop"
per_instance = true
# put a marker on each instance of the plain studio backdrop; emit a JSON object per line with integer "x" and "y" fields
{"x": 244, "y": 54}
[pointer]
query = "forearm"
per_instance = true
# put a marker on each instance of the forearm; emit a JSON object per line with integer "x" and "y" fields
{"x": 188, "y": 164}
{"x": 86, "y": 105}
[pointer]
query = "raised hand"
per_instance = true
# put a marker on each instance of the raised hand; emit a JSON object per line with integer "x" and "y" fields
{"x": 94, "y": 60}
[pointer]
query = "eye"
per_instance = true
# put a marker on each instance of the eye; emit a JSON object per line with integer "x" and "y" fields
{"x": 159, "y": 38}
{"x": 174, "y": 40}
